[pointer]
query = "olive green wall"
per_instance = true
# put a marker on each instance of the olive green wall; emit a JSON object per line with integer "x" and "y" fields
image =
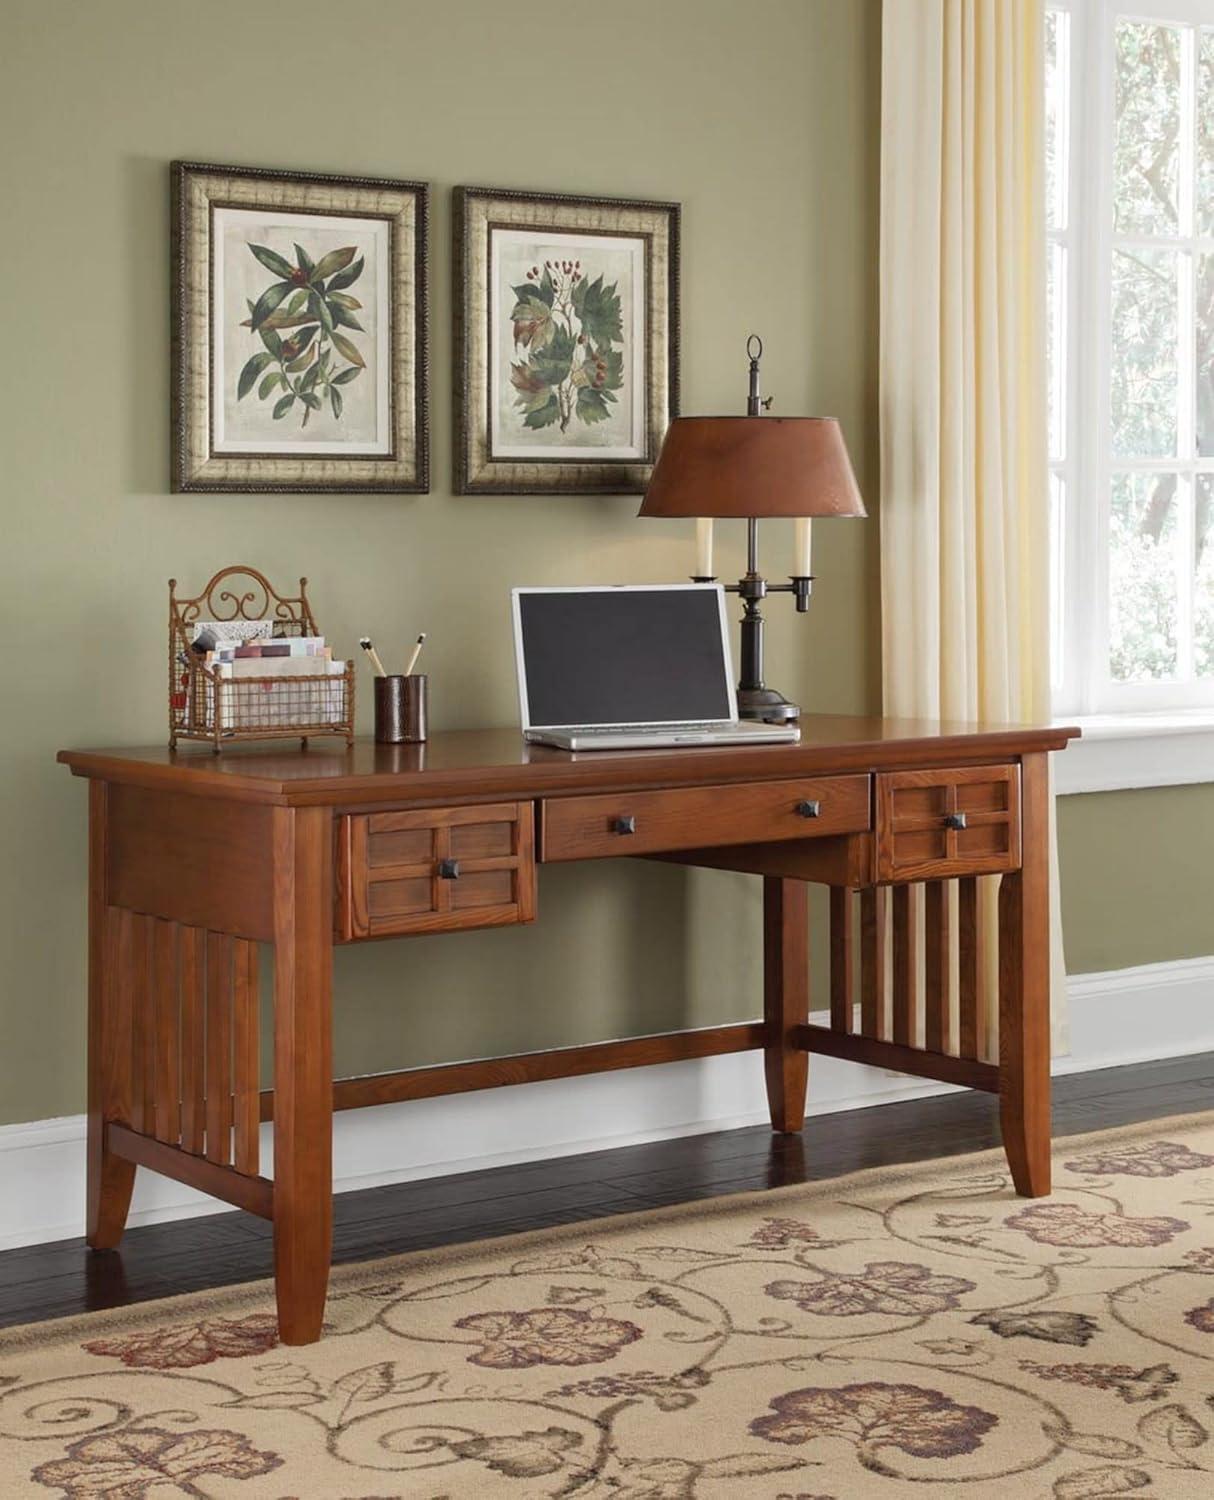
{"x": 761, "y": 119}
{"x": 1137, "y": 876}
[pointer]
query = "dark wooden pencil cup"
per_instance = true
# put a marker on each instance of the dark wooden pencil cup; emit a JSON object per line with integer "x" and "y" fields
{"x": 400, "y": 709}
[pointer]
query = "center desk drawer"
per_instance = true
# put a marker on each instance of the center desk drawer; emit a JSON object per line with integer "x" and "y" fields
{"x": 437, "y": 869}
{"x": 700, "y": 817}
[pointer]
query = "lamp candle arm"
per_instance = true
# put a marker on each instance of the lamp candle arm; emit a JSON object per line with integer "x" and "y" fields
{"x": 802, "y": 587}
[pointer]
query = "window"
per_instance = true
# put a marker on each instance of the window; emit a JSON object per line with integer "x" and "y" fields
{"x": 1130, "y": 286}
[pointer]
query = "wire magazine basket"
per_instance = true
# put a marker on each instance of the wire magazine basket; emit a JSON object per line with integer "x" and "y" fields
{"x": 212, "y": 703}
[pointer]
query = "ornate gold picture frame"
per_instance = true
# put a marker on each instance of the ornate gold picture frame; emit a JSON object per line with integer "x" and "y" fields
{"x": 299, "y": 332}
{"x": 566, "y": 341}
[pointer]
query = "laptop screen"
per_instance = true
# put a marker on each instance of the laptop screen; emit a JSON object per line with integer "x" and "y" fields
{"x": 622, "y": 656}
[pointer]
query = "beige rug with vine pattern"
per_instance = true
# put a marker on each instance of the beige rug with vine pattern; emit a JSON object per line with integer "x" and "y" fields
{"x": 876, "y": 1335}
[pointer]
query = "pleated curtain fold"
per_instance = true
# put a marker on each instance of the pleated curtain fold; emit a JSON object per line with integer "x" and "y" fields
{"x": 964, "y": 482}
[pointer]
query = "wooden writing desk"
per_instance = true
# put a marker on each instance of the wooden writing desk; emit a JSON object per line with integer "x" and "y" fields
{"x": 194, "y": 859}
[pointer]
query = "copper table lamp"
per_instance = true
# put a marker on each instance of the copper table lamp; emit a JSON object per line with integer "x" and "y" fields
{"x": 755, "y": 466}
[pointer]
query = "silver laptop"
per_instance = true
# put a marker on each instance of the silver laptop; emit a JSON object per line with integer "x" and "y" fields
{"x": 630, "y": 668}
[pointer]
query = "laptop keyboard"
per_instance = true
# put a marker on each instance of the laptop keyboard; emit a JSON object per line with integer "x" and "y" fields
{"x": 650, "y": 728}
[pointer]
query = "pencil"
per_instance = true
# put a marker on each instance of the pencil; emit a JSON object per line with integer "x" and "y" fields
{"x": 417, "y": 651}
{"x": 365, "y": 642}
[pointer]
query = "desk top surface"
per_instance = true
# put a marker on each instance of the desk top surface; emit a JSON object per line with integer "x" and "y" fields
{"x": 497, "y": 763}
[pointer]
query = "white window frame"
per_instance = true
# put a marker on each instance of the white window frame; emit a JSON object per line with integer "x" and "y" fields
{"x": 1139, "y": 734}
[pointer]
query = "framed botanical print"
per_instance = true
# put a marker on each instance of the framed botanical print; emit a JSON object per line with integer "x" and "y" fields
{"x": 299, "y": 331}
{"x": 566, "y": 341}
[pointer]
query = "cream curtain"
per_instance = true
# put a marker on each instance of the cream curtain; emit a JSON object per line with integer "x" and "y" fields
{"x": 964, "y": 481}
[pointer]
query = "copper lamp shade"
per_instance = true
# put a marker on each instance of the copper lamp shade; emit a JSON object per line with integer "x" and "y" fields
{"x": 753, "y": 466}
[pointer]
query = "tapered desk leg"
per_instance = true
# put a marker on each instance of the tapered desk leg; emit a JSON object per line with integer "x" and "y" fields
{"x": 303, "y": 1069}
{"x": 785, "y": 997}
{"x": 1024, "y": 993}
{"x": 109, "y": 1178}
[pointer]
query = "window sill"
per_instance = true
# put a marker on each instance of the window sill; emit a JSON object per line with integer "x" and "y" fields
{"x": 1120, "y": 751}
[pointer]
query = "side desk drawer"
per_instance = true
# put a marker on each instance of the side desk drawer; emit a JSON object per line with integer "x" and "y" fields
{"x": 435, "y": 870}
{"x": 625, "y": 823}
{"x": 935, "y": 824}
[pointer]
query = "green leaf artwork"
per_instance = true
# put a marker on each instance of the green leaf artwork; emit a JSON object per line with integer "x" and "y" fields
{"x": 296, "y": 318}
{"x": 568, "y": 336}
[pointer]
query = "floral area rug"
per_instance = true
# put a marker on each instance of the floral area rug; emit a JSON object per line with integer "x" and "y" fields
{"x": 913, "y": 1332}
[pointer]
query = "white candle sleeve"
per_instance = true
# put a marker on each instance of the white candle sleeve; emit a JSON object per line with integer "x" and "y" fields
{"x": 801, "y": 567}
{"x": 704, "y": 547}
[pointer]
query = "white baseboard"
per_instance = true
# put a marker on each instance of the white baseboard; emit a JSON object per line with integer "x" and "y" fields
{"x": 1125, "y": 1016}
{"x": 1137, "y": 1015}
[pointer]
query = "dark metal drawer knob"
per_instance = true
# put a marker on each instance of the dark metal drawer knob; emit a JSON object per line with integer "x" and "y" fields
{"x": 954, "y": 820}
{"x": 626, "y": 824}
{"x": 448, "y": 869}
{"x": 808, "y": 809}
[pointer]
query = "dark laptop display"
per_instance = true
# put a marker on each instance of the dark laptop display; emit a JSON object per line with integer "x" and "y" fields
{"x": 623, "y": 656}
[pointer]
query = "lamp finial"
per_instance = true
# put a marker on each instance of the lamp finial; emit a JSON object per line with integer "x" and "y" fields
{"x": 754, "y": 402}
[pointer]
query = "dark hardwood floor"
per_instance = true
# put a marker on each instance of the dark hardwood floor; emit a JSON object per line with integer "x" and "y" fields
{"x": 49, "y": 1281}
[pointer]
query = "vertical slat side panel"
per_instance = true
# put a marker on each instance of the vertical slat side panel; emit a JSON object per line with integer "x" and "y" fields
{"x": 937, "y": 1033}
{"x": 165, "y": 1007}
{"x": 971, "y": 1010}
{"x": 246, "y": 1102}
{"x": 193, "y": 1040}
{"x": 905, "y": 963}
{"x": 120, "y": 1057}
{"x": 149, "y": 1050}
{"x": 840, "y": 959}
{"x": 136, "y": 945}
{"x": 873, "y": 910}
{"x": 219, "y": 1047}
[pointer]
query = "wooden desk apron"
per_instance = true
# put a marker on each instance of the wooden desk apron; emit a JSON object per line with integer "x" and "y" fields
{"x": 195, "y": 858}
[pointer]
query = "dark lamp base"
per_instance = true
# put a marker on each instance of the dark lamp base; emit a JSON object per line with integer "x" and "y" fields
{"x": 767, "y": 705}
